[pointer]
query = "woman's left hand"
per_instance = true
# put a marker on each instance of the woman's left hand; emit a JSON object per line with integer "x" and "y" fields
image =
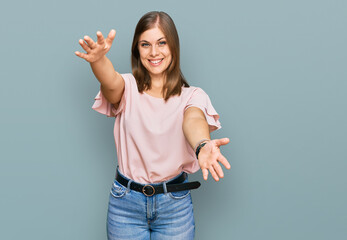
{"x": 210, "y": 155}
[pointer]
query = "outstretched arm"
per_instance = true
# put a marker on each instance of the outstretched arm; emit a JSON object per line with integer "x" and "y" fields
{"x": 112, "y": 84}
{"x": 195, "y": 128}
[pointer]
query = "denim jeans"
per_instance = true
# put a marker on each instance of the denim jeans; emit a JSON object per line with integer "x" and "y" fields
{"x": 133, "y": 216}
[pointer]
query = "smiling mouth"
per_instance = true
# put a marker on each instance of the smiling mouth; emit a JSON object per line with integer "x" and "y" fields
{"x": 156, "y": 62}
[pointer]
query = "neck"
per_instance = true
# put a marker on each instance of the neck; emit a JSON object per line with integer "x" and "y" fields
{"x": 157, "y": 81}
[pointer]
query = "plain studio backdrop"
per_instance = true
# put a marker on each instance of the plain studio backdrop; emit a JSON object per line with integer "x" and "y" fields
{"x": 275, "y": 72}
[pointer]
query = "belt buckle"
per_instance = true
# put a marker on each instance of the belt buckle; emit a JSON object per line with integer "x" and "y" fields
{"x": 148, "y": 195}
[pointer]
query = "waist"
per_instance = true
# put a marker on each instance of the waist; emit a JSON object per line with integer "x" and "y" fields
{"x": 177, "y": 183}
{"x": 177, "y": 179}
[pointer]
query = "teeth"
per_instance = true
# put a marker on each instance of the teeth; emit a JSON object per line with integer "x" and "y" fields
{"x": 155, "y": 62}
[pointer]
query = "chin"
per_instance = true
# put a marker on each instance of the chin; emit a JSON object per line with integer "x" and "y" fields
{"x": 155, "y": 73}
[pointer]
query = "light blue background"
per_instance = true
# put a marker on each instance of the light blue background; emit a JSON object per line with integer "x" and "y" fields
{"x": 275, "y": 72}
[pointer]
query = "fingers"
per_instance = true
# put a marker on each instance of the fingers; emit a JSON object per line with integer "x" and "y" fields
{"x": 81, "y": 55}
{"x": 101, "y": 39}
{"x": 110, "y": 38}
{"x": 213, "y": 173}
{"x": 204, "y": 173}
{"x": 222, "y": 141}
{"x": 224, "y": 161}
{"x": 218, "y": 170}
{"x": 84, "y": 46}
{"x": 210, "y": 161}
{"x": 88, "y": 45}
{"x": 215, "y": 170}
{"x": 108, "y": 42}
{"x": 90, "y": 42}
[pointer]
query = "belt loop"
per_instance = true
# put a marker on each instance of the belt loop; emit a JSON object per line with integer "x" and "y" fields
{"x": 128, "y": 187}
{"x": 164, "y": 187}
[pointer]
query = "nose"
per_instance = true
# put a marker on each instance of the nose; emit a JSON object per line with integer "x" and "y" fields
{"x": 154, "y": 51}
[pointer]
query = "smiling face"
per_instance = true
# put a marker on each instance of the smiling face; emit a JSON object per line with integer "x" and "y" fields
{"x": 154, "y": 52}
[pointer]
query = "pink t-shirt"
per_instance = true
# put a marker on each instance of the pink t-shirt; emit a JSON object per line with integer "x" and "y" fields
{"x": 150, "y": 143}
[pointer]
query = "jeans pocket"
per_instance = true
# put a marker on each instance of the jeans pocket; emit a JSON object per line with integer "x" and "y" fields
{"x": 118, "y": 190}
{"x": 179, "y": 194}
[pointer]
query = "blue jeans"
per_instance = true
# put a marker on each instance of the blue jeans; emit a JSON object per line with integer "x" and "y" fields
{"x": 165, "y": 216}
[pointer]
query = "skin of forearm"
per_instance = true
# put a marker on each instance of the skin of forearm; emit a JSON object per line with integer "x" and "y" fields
{"x": 195, "y": 129}
{"x": 105, "y": 73}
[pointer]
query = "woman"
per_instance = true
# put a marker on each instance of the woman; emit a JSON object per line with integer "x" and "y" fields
{"x": 162, "y": 133}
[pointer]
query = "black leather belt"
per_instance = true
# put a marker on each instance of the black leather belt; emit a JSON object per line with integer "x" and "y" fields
{"x": 171, "y": 186}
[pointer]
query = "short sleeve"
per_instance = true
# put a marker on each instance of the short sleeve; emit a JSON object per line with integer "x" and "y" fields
{"x": 201, "y": 100}
{"x": 103, "y": 106}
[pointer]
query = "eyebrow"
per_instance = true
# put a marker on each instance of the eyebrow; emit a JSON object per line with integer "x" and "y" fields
{"x": 147, "y": 41}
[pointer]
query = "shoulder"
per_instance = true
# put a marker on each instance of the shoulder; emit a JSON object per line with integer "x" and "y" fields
{"x": 130, "y": 81}
{"x": 128, "y": 77}
{"x": 193, "y": 91}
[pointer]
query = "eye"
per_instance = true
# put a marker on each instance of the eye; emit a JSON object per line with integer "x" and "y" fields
{"x": 144, "y": 44}
{"x": 161, "y": 43}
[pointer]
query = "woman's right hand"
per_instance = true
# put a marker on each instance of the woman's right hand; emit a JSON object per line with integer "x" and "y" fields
{"x": 96, "y": 50}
